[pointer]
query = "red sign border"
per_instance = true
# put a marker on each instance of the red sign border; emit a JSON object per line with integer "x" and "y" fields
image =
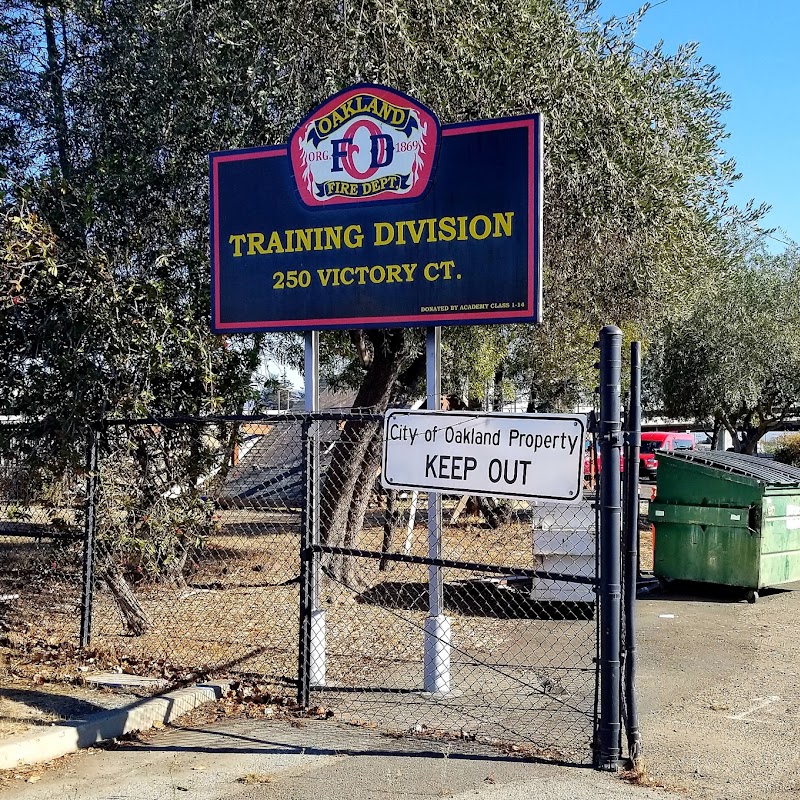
{"x": 533, "y": 313}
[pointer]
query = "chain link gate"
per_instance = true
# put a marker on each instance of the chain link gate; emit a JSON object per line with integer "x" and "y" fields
{"x": 519, "y": 600}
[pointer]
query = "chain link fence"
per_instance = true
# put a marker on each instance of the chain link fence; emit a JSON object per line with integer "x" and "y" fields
{"x": 41, "y": 537}
{"x": 267, "y": 548}
{"x": 197, "y": 557}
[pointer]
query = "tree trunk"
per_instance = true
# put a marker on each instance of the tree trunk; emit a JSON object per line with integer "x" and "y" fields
{"x": 497, "y": 398}
{"x": 355, "y": 456}
{"x": 175, "y": 571}
{"x": 390, "y": 523}
{"x": 362, "y": 492}
{"x": 136, "y": 620}
{"x": 55, "y": 72}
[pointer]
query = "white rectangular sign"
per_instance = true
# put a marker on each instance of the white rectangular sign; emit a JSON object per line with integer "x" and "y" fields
{"x": 500, "y": 455}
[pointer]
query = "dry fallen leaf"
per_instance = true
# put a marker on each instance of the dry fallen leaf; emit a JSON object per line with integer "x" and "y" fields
{"x": 255, "y": 777}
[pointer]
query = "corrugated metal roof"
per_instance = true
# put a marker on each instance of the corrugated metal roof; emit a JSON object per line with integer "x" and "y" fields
{"x": 759, "y": 469}
{"x": 272, "y": 470}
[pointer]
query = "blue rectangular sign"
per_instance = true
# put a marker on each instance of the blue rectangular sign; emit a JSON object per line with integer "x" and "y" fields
{"x": 466, "y": 250}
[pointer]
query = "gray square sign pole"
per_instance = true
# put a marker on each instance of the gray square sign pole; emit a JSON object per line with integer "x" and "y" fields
{"x": 436, "y": 650}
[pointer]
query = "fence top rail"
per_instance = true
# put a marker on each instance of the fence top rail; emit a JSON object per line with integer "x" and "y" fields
{"x": 291, "y": 416}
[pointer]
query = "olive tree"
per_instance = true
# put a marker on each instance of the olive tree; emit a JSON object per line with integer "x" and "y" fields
{"x": 735, "y": 360}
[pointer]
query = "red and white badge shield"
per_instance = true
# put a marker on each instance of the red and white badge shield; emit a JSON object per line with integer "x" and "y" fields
{"x": 367, "y": 144}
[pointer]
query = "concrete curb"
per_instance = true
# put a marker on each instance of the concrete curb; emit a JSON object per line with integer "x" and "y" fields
{"x": 61, "y": 739}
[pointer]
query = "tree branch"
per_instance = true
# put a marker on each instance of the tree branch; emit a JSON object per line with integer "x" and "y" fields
{"x": 55, "y": 70}
{"x": 360, "y": 343}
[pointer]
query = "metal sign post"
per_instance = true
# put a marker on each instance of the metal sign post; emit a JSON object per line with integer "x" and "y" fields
{"x": 436, "y": 650}
{"x": 317, "y": 648}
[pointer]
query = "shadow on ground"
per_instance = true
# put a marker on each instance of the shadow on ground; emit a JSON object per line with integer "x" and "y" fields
{"x": 60, "y": 705}
{"x": 688, "y": 591}
{"x": 476, "y": 598}
{"x": 326, "y": 738}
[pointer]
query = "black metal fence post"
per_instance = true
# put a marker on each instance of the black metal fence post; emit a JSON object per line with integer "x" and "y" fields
{"x": 610, "y": 534}
{"x": 631, "y": 565}
{"x": 306, "y": 570}
{"x": 89, "y": 531}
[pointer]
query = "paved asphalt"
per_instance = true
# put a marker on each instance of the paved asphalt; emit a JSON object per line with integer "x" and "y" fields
{"x": 252, "y": 760}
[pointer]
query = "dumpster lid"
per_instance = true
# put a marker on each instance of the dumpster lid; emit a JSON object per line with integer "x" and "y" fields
{"x": 762, "y": 470}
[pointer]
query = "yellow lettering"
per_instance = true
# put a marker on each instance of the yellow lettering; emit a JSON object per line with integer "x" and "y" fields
{"x": 333, "y": 238}
{"x": 393, "y": 273}
{"x": 353, "y": 236}
{"x": 409, "y": 270}
{"x": 302, "y": 239}
{"x": 255, "y": 243}
{"x": 416, "y": 229}
{"x": 349, "y": 271}
{"x": 384, "y": 233}
{"x": 447, "y": 229}
{"x": 473, "y": 227}
{"x": 429, "y": 270}
{"x": 502, "y": 221}
{"x": 237, "y": 240}
{"x": 275, "y": 245}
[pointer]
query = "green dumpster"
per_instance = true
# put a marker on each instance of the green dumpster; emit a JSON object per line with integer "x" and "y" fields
{"x": 726, "y": 518}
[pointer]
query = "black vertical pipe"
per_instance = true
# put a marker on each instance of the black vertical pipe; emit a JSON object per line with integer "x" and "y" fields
{"x": 306, "y": 570}
{"x": 631, "y": 566}
{"x": 89, "y": 534}
{"x": 610, "y": 536}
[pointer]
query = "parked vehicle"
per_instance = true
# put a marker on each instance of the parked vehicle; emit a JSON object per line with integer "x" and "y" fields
{"x": 653, "y": 441}
{"x": 593, "y": 466}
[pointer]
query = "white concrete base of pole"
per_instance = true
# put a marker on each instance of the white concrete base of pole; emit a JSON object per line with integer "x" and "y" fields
{"x": 318, "y": 648}
{"x": 436, "y": 655}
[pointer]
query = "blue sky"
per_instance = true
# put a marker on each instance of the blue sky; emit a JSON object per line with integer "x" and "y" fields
{"x": 754, "y": 46}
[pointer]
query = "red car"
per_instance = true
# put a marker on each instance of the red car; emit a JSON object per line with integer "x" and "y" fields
{"x": 592, "y": 466}
{"x": 652, "y": 441}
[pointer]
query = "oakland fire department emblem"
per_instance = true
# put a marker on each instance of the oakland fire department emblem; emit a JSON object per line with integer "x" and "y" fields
{"x": 367, "y": 144}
